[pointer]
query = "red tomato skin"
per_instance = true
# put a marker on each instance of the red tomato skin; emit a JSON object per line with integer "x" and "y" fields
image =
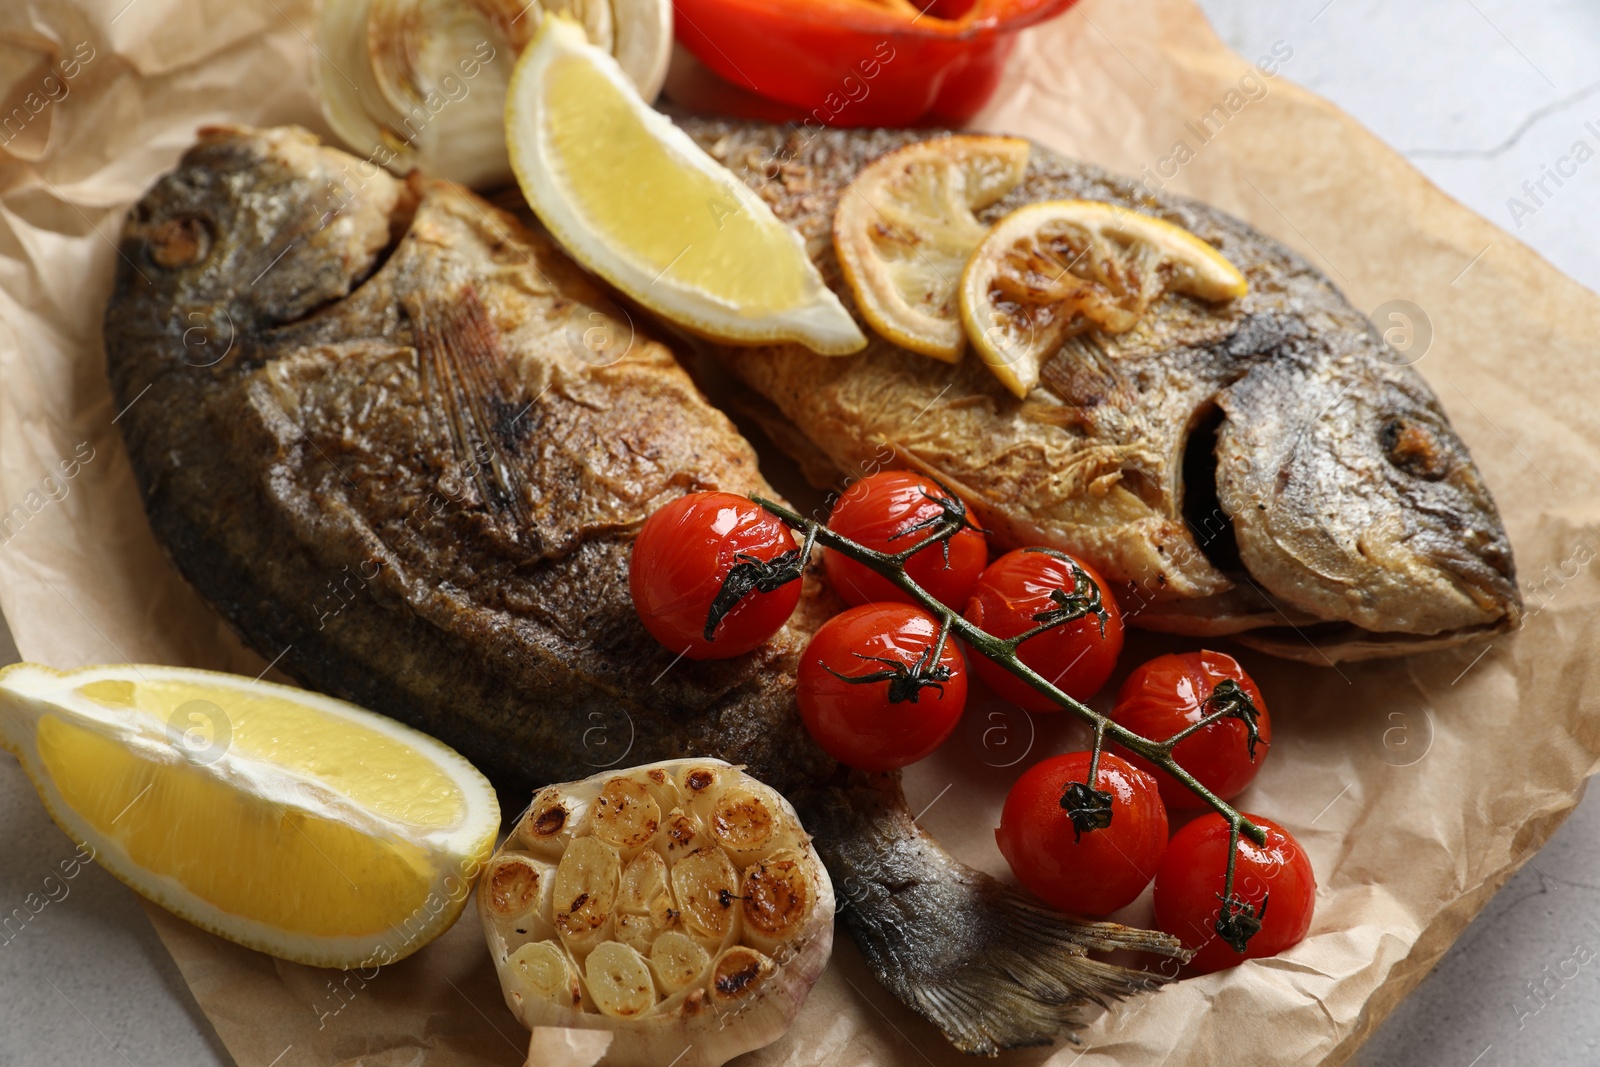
{"x": 856, "y": 724}
{"x": 1163, "y": 696}
{"x": 1103, "y": 870}
{"x": 1074, "y": 656}
{"x": 1191, "y": 879}
{"x": 684, "y": 551}
{"x": 881, "y": 505}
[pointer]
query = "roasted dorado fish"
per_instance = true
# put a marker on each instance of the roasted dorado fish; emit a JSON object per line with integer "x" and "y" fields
{"x": 374, "y": 425}
{"x": 1266, "y": 468}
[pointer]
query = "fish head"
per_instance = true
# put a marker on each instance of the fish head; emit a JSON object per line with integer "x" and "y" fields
{"x": 1355, "y": 506}
{"x": 254, "y": 228}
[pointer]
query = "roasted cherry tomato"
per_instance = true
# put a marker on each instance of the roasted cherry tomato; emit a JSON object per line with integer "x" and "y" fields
{"x": 1168, "y": 694}
{"x": 1025, "y": 588}
{"x": 707, "y": 546}
{"x": 891, "y": 512}
{"x": 871, "y": 690}
{"x": 1274, "y": 885}
{"x": 1053, "y": 831}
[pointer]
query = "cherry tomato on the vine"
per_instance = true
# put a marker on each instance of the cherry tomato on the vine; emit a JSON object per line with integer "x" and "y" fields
{"x": 892, "y": 511}
{"x": 1028, "y": 587}
{"x": 1059, "y": 857}
{"x": 1274, "y": 884}
{"x": 704, "y": 546}
{"x": 871, "y": 691}
{"x": 1167, "y": 695}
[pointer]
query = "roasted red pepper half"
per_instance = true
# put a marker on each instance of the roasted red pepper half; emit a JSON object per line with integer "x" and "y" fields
{"x": 859, "y": 63}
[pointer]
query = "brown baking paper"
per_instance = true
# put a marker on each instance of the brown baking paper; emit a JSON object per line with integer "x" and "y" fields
{"x": 1418, "y": 786}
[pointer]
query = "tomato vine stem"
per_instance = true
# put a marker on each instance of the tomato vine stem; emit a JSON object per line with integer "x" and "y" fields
{"x": 891, "y": 565}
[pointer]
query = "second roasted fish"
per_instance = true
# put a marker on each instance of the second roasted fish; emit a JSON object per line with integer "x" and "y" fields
{"x": 1265, "y": 468}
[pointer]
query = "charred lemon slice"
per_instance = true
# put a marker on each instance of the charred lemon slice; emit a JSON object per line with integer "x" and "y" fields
{"x": 904, "y": 229}
{"x": 635, "y": 200}
{"x": 1055, "y": 269}
{"x": 674, "y": 904}
{"x": 288, "y": 822}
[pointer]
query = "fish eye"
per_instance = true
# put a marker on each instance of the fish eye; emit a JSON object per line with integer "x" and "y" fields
{"x": 180, "y": 241}
{"x": 1414, "y": 447}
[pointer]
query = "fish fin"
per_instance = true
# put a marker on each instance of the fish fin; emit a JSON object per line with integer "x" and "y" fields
{"x": 990, "y": 968}
{"x": 461, "y": 356}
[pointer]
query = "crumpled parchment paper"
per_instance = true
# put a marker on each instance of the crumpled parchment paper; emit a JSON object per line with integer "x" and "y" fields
{"x": 1417, "y": 785}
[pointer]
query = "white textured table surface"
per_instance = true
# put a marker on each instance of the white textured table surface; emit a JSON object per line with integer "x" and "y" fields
{"x": 1484, "y": 96}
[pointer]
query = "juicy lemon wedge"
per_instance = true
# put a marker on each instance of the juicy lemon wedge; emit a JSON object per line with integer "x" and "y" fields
{"x": 904, "y": 229}
{"x": 285, "y": 821}
{"x": 1055, "y": 269}
{"x": 635, "y": 200}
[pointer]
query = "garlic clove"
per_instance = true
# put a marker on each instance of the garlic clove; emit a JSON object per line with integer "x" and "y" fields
{"x": 739, "y": 973}
{"x": 625, "y": 814}
{"x": 776, "y": 898}
{"x": 743, "y": 821}
{"x": 549, "y": 824}
{"x": 516, "y": 890}
{"x": 683, "y": 832}
{"x": 679, "y": 961}
{"x": 517, "y": 884}
{"x": 619, "y": 981}
{"x": 585, "y": 894}
{"x": 643, "y": 880}
{"x": 701, "y": 779}
{"x": 706, "y": 887}
{"x": 541, "y": 973}
{"x": 636, "y": 931}
{"x": 663, "y": 787}
{"x": 664, "y": 911}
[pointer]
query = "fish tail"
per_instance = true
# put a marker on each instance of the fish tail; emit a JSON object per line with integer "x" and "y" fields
{"x": 990, "y": 968}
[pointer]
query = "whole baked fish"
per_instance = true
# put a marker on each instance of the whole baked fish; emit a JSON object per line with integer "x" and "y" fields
{"x": 403, "y": 445}
{"x": 1266, "y": 468}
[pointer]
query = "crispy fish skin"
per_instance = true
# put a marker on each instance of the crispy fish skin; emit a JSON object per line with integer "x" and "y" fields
{"x": 369, "y": 432}
{"x": 404, "y": 484}
{"x": 1336, "y": 516}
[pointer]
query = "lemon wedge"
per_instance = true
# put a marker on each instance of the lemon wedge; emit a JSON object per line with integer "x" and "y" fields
{"x": 904, "y": 230}
{"x": 1054, "y": 269}
{"x": 285, "y": 821}
{"x": 635, "y": 200}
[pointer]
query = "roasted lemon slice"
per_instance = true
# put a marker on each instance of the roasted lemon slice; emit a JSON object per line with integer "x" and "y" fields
{"x": 904, "y": 229}
{"x": 635, "y": 200}
{"x": 285, "y": 821}
{"x": 1054, "y": 269}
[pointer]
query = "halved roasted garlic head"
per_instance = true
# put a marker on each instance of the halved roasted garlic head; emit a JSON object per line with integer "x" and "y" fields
{"x": 677, "y": 903}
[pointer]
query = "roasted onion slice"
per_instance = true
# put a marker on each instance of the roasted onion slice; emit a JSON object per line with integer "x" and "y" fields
{"x": 422, "y": 83}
